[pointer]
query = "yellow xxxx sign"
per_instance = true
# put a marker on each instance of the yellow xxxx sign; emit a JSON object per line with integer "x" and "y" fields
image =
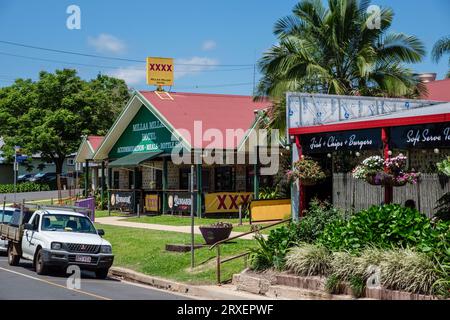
{"x": 160, "y": 71}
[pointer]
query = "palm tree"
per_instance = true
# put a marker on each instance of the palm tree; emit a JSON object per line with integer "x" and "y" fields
{"x": 338, "y": 50}
{"x": 441, "y": 47}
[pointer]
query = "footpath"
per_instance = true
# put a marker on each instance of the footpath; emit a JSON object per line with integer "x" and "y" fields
{"x": 120, "y": 222}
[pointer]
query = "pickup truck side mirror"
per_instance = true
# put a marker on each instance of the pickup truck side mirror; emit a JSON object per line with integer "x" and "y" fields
{"x": 101, "y": 232}
{"x": 28, "y": 226}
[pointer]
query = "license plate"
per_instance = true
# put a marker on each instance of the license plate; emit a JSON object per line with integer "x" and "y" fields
{"x": 85, "y": 259}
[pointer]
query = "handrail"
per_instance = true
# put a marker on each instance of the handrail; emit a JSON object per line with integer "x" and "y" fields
{"x": 249, "y": 232}
{"x": 245, "y": 254}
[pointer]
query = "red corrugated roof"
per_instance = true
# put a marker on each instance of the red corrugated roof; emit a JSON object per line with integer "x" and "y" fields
{"x": 216, "y": 111}
{"x": 438, "y": 90}
{"x": 95, "y": 141}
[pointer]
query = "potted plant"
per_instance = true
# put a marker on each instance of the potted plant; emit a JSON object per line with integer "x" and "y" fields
{"x": 216, "y": 232}
{"x": 307, "y": 170}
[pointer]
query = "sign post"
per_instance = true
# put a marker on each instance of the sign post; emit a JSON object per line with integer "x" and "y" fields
{"x": 192, "y": 215}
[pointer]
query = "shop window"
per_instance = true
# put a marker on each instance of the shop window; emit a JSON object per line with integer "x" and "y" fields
{"x": 264, "y": 181}
{"x": 184, "y": 179}
{"x": 116, "y": 179}
{"x": 158, "y": 179}
{"x": 224, "y": 178}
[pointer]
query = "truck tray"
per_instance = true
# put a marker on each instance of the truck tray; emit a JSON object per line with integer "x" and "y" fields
{"x": 11, "y": 233}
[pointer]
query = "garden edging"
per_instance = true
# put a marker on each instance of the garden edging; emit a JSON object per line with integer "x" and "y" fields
{"x": 281, "y": 285}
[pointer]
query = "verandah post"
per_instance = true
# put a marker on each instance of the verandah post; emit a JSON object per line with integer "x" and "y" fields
{"x": 388, "y": 189}
{"x": 164, "y": 185}
{"x": 199, "y": 190}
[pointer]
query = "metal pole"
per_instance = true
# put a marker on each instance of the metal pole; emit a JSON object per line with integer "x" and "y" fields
{"x": 218, "y": 265}
{"x": 4, "y": 206}
{"x": 240, "y": 215}
{"x": 192, "y": 216}
{"x": 138, "y": 211}
{"x": 15, "y": 174}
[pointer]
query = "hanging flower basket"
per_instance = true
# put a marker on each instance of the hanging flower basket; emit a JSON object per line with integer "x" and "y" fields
{"x": 310, "y": 182}
{"x": 372, "y": 171}
{"x": 307, "y": 171}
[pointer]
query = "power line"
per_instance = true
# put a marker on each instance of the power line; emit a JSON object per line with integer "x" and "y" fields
{"x": 112, "y": 67}
{"x": 109, "y": 57}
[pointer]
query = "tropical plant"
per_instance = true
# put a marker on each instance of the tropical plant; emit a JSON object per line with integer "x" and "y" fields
{"x": 441, "y": 47}
{"x": 309, "y": 260}
{"x": 443, "y": 207}
{"x": 444, "y": 166}
{"x": 269, "y": 193}
{"x": 337, "y": 49}
{"x": 271, "y": 252}
{"x": 381, "y": 226}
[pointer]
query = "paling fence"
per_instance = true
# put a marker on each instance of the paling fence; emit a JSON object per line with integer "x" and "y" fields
{"x": 350, "y": 193}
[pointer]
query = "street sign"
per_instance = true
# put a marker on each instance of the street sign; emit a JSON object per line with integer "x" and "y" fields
{"x": 160, "y": 71}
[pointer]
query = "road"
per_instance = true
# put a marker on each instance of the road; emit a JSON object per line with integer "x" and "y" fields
{"x": 23, "y": 283}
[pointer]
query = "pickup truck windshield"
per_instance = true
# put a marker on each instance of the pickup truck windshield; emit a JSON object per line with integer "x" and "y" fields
{"x": 68, "y": 223}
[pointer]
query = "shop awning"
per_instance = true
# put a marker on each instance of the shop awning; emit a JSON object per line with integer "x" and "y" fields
{"x": 134, "y": 159}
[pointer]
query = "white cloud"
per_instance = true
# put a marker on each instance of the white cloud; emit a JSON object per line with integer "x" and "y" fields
{"x": 209, "y": 45}
{"x": 107, "y": 43}
{"x": 131, "y": 75}
{"x": 194, "y": 65}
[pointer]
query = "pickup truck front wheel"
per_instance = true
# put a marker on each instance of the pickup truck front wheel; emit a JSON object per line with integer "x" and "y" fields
{"x": 41, "y": 267}
{"x": 13, "y": 259}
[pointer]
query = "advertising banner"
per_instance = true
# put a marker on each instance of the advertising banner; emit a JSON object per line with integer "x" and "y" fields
{"x": 343, "y": 140}
{"x": 151, "y": 203}
{"x": 226, "y": 201}
{"x": 122, "y": 200}
{"x": 269, "y": 210}
{"x": 160, "y": 71}
{"x": 421, "y": 136}
{"x": 180, "y": 201}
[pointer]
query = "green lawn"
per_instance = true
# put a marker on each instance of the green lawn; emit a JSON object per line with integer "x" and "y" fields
{"x": 144, "y": 251}
{"x": 104, "y": 213}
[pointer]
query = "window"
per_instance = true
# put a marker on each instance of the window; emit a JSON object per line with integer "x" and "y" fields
{"x": 35, "y": 222}
{"x": 264, "y": 181}
{"x": 67, "y": 223}
{"x": 116, "y": 178}
{"x": 70, "y": 162}
{"x": 184, "y": 179}
{"x": 224, "y": 179}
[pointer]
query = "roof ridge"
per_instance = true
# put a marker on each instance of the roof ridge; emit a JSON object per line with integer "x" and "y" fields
{"x": 203, "y": 94}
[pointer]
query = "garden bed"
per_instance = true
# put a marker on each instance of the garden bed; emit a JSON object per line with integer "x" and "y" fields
{"x": 262, "y": 282}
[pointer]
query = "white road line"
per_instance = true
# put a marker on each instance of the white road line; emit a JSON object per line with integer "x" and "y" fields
{"x": 55, "y": 284}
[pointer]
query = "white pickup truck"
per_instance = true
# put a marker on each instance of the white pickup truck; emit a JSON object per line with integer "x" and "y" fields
{"x": 58, "y": 238}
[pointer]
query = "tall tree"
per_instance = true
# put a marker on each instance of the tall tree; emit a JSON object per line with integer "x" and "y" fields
{"x": 50, "y": 116}
{"x": 338, "y": 49}
{"x": 441, "y": 47}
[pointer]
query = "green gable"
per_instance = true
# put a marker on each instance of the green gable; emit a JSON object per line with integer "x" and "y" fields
{"x": 145, "y": 133}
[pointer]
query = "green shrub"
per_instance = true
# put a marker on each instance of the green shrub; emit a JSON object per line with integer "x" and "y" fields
{"x": 309, "y": 260}
{"x": 358, "y": 285}
{"x": 24, "y": 187}
{"x": 271, "y": 252}
{"x": 443, "y": 207}
{"x": 381, "y": 226}
{"x": 317, "y": 217}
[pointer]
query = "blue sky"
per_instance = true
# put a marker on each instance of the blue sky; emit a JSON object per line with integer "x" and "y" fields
{"x": 210, "y": 33}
